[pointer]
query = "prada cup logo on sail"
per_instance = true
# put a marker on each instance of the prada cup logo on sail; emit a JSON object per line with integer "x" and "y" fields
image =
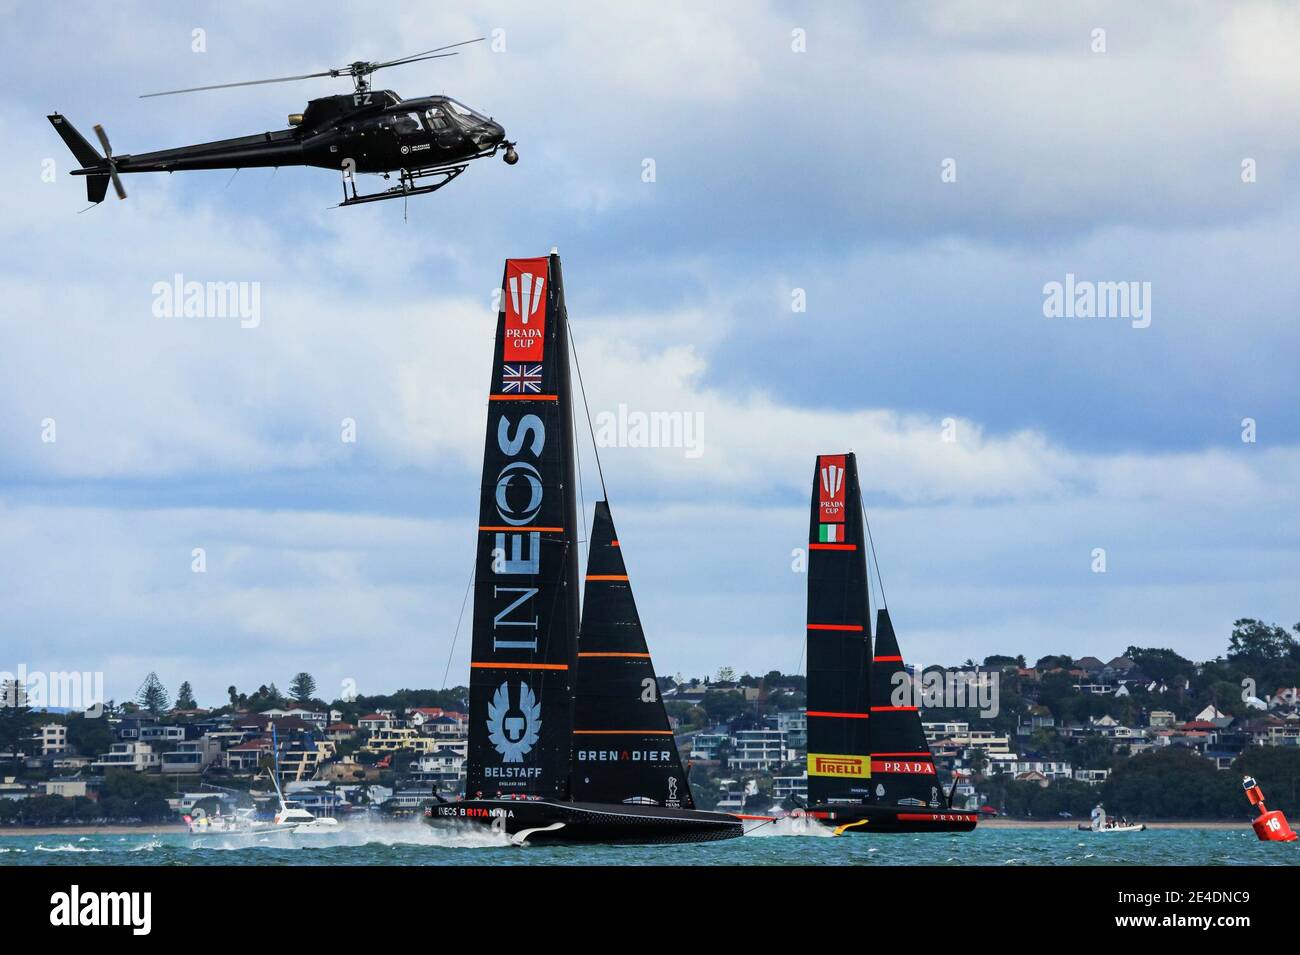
{"x": 831, "y": 498}
{"x": 514, "y": 731}
{"x": 832, "y": 480}
{"x": 525, "y": 310}
{"x": 526, "y": 294}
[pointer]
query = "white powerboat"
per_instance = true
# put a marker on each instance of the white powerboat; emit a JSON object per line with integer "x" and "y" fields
{"x": 1101, "y": 824}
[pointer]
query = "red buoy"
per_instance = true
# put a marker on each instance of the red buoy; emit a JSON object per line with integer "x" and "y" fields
{"x": 1271, "y": 826}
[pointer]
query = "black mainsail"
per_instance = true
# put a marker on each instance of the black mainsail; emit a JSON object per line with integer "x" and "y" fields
{"x": 624, "y": 750}
{"x": 902, "y": 767}
{"x": 526, "y": 577}
{"x": 839, "y": 710}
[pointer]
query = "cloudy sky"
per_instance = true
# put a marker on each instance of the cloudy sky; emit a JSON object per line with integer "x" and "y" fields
{"x": 919, "y": 171}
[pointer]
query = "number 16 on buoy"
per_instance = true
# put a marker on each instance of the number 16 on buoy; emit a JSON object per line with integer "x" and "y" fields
{"x": 1271, "y": 826}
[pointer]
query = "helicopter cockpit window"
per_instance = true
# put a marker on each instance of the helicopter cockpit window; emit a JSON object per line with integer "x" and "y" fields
{"x": 469, "y": 117}
{"x": 437, "y": 121}
{"x": 406, "y": 123}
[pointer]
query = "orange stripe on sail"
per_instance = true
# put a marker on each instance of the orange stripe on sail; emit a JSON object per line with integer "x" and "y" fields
{"x": 894, "y": 709}
{"x": 520, "y": 530}
{"x": 607, "y": 576}
{"x": 593, "y": 653}
{"x": 613, "y": 543}
{"x": 832, "y": 546}
{"x": 841, "y": 716}
{"x": 519, "y": 666}
{"x": 888, "y": 659}
{"x": 852, "y": 627}
{"x": 523, "y": 397}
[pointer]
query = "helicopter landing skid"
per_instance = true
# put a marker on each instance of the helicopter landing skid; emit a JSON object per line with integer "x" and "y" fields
{"x": 406, "y": 185}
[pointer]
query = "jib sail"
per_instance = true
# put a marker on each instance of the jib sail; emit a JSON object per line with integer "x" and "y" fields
{"x": 526, "y": 575}
{"x": 839, "y": 710}
{"x": 624, "y": 751}
{"x": 902, "y": 768}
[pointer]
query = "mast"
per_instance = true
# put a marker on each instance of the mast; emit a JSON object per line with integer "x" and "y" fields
{"x": 526, "y": 571}
{"x": 624, "y": 749}
{"x": 839, "y": 707}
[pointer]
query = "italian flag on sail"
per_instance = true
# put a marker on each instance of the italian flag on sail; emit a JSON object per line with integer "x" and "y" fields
{"x": 831, "y": 534}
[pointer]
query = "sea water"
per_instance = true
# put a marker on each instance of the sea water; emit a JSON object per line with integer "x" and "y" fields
{"x": 414, "y": 843}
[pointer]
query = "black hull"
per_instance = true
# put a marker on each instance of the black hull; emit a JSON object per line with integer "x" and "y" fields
{"x": 540, "y": 822}
{"x": 892, "y": 819}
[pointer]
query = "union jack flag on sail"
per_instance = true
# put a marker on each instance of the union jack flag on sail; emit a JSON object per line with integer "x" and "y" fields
{"x": 521, "y": 379}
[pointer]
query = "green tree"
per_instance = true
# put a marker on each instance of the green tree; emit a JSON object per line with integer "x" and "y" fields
{"x": 1258, "y": 643}
{"x": 46, "y": 810}
{"x": 1025, "y": 798}
{"x": 303, "y": 687}
{"x": 722, "y": 706}
{"x": 152, "y": 695}
{"x": 126, "y": 794}
{"x": 16, "y": 718}
{"x": 89, "y": 737}
{"x": 1171, "y": 783}
{"x": 1000, "y": 660}
{"x": 185, "y": 697}
{"x": 1277, "y": 770}
{"x": 1160, "y": 664}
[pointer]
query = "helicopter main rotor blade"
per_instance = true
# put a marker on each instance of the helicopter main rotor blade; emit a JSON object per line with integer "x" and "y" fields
{"x": 425, "y": 54}
{"x": 417, "y": 59}
{"x": 360, "y": 68}
{"x": 225, "y": 86}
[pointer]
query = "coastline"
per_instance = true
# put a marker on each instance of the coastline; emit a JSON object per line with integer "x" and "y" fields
{"x": 1002, "y": 823}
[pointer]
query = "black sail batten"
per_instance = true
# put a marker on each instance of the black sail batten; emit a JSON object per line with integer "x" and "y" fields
{"x": 902, "y": 767}
{"x": 839, "y": 704}
{"x": 624, "y": 750}
{"x": 526, "y": 578}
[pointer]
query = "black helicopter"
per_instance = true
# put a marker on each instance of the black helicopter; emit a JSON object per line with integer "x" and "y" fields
{"x": 368, "y": 131}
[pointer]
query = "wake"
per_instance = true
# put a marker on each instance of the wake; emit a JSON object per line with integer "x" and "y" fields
{"x": 790, "y": 826}
{"x": 355, "y": 835}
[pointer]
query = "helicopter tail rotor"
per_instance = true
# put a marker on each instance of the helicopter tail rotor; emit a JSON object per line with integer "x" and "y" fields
{"x": 108, "y": 158}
